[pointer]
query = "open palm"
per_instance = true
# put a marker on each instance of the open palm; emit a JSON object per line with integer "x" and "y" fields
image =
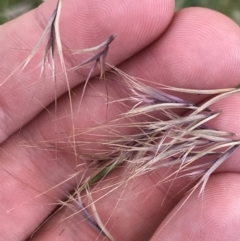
{"x": 193, "y": 48}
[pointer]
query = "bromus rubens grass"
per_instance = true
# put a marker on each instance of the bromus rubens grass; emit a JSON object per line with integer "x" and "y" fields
{"x": 157, "y": 129}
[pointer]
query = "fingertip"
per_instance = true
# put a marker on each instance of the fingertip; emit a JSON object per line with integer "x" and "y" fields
{"x": 205, "y": 44}
{"x": 199, "y": 49}
{"x": 215, "y": 215}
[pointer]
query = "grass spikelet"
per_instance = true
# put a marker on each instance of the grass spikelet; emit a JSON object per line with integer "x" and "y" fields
{"x": 166, "y": 139}
{"x": 49, "y": 48}
{"x": 97, "y": 58}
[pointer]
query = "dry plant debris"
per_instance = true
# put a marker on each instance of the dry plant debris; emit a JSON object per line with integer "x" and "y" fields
{"x": 163, "y": 138}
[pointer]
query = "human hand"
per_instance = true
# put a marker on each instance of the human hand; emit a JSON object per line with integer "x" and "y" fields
{"x": 194, "y": 48}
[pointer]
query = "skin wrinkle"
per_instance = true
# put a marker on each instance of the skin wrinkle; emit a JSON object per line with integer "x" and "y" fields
{"x": 4, "y": 120}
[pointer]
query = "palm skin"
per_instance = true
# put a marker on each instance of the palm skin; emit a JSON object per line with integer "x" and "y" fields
{"x": 193, "y": 48}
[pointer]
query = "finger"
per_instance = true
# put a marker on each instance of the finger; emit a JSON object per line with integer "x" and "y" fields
{"x": 83, "y": 24}
{"x": 213, "y": 216}
{"x": 198, "y": 51}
